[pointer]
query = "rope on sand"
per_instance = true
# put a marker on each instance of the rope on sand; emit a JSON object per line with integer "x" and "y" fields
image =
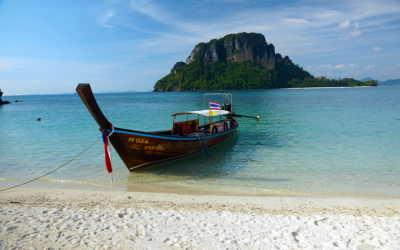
{"x": 54, "y": 169}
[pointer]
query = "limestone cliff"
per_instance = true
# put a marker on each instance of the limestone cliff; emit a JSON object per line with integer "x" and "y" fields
{"x": 236, "y": 48}
{"x": 286, "y": 60}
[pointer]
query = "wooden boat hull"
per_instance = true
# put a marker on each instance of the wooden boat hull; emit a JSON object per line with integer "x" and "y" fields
{"x": 139, "y": 149}
{"x": 145, "y": 150}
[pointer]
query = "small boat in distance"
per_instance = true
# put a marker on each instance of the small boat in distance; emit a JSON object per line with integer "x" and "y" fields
{"x": 197, "y": 133}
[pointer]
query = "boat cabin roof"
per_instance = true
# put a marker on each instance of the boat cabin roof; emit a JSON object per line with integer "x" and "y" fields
{"x": 205, "y": 113}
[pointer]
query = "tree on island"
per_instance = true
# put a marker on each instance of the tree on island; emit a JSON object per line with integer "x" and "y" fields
{"x": 322, "y": 81}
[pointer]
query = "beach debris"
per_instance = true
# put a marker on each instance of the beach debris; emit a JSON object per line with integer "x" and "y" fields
{"x": 14, "y": 201}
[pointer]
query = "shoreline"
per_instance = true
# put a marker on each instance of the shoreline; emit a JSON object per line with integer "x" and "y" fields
{"x": 162, "y": 188}
{"x": 86, "y": 219}
{"x": 344, "y": 87}
{"x": 274, "y": 204}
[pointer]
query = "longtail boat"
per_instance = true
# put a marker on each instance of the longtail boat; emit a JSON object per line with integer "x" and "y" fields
{"x": 139, "y": 149}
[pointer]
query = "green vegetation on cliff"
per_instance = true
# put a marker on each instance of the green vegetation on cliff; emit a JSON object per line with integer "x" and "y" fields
{"x": 217, "y": 76}
{"x": 288, "y": 72}
{"x": 221, "y": 75}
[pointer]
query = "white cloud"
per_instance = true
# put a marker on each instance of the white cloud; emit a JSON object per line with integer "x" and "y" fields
{"x": 295, "y": 21}
{"x": 348, "y": 25}
{"x": 351, "y": 65}
{"x": 355, "y": 33}
{"x": 326, "y": 67}
{"x": 352, "y": 29}
{"x": 153, "y": 10}
{"x": 398, "y": 64}
{"x": 365, "y": 9}
{"x": 36, "y": 81}
{"x": 344, "y": 25}
{"x": 351, "y": 34}
{"x": 370, "y": 67}
{"x": 103, "y": 21}
{"x": 377, "y": 49}
{"x": 340, "y": 66}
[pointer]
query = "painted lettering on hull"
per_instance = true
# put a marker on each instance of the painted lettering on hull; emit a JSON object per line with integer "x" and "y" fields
{"x": 153, "y": 152}
{"x": 155, "y": 148}
{"x": 138, "y": 140}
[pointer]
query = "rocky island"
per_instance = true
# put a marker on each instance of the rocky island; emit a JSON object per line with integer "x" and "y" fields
{"x": 241, "y": 61}
{"x": 1, "y": 101}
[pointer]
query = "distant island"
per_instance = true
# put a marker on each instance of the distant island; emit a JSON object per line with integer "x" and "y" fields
{"x": 242, "y": 61}
{"x": 395, "y": 82}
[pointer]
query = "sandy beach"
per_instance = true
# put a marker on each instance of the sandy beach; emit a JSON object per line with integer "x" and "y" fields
{"x": 332, "y": 87}
{"x": 51, "y": 218}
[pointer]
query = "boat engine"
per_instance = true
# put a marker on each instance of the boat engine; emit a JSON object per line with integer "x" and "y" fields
{"x": 227, "y": 107}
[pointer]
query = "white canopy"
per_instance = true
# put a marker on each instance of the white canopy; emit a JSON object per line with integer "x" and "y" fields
{"x": 204, "y": 112}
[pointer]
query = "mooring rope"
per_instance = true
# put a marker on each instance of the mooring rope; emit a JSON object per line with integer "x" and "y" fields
{"x": 54, "y": 169}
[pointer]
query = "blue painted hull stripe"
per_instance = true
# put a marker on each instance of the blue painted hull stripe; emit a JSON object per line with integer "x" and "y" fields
{"x": 178, "y": 138}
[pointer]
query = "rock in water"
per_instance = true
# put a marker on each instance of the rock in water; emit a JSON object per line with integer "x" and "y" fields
{"x": 1, "y": 101}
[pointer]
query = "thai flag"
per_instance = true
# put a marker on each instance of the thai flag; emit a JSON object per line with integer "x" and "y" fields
{"x": 215, "y": 106}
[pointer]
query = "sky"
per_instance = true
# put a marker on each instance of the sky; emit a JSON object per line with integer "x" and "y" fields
{"x": 48, "y": 47}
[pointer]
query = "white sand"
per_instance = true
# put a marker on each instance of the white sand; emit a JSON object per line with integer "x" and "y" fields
{"x": 331, "y": 87}
{"x": 38, "y": 218}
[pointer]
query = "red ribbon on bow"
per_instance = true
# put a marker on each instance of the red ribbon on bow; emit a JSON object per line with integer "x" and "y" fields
{"x": 107, "y": 149}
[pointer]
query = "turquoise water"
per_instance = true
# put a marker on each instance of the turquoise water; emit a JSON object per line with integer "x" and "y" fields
{"x": 342, "y": 142}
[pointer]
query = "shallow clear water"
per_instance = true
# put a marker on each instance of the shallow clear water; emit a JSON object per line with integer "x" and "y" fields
{"x": 343, "y": 141}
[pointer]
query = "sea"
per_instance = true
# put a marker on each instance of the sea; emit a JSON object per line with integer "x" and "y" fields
{"x": 342, "y": 142}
